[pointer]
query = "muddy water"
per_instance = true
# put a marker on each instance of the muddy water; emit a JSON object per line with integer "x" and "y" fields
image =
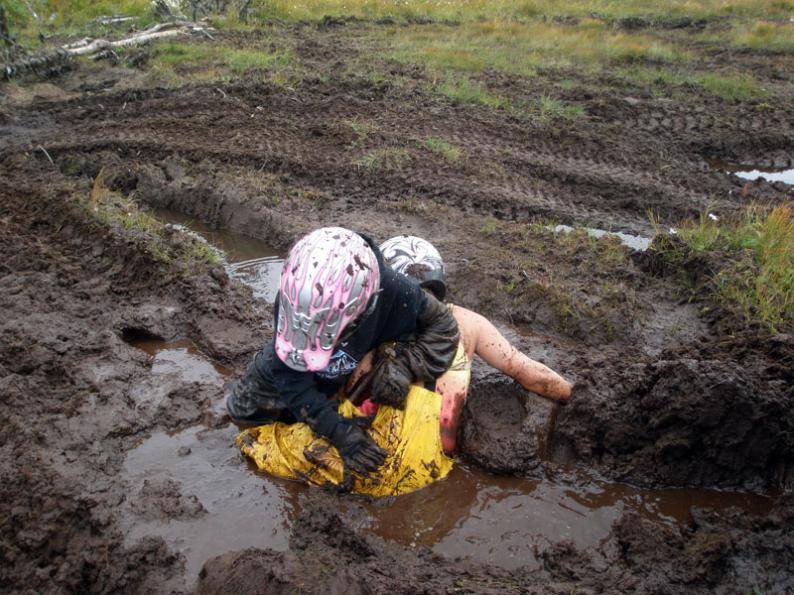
{"x": 182, "y": 359}
{"x": 238, "y": 508}
{"x": 500, "y": 520}
{"x": 505, "y": 520}
{"x": 252, "y": 261}
{"x": 754, "y": 172}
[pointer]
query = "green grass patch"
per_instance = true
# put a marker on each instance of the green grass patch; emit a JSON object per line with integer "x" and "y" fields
{"x": 444, "y": 149}
{"x": 758, "y": 282}
{"x": 116, "y": 211}
{"x": 736, "y": 87}
{"x": 178, "y": 61}
{"x": 521, "y": 48}
{"x": 475, "y": 10}
{"x": 550, "y": 108}
{"x": 28, "y": 18}
{"x": 729, "y": 86}
{"x": 764, "y": 36}
{"x": 461, "y": 89}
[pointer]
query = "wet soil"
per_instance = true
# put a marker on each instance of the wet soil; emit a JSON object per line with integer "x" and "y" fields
{"x": 117, "y": 467}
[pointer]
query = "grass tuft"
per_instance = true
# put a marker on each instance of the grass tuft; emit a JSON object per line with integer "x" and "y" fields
{"x": 758, "y": 280}
{"x": 446, "y": 150}
{"x": 391, "y": 158}
{"x": 550, "y": 108}
{"x": 464, "y": 90}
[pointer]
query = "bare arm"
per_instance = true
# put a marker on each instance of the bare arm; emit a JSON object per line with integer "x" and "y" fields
{"x": 497, "y": 351}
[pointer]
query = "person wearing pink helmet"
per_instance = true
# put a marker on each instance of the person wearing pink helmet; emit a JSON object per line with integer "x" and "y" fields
{"x": 419, "y": 259}
{"x": 337, "y": 301}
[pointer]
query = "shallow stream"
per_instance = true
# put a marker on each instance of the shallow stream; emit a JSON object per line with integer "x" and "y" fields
{"x": 500, "y": 520}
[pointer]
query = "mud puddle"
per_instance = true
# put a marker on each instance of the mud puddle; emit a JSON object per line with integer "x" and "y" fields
{"x": 507, "y": 520}
{"x": 183, "y": 359}
{"x": 192, "y": 488}
{"x": 252, "y": 261}
{"x": 195, "y": 491}
{"x": 755, "y": 172}
{"x": 639, "y": 243}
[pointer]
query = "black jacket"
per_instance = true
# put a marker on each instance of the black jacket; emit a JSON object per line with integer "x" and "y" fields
{"x": 403, "y": 312}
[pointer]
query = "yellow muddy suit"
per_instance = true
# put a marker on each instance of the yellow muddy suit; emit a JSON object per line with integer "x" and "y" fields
{"x": 410, "y": 437}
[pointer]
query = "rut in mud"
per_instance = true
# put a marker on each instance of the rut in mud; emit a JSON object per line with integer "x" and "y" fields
{"x": 124, "y": 439}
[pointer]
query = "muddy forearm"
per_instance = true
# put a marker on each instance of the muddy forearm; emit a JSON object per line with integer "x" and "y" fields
{"x": 542, "y": 380}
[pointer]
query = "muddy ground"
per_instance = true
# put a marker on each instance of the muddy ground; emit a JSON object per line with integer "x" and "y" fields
{"x": 671, "y": 390}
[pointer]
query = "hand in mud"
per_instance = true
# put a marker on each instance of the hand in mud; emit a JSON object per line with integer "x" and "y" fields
{"x": 392, "y": 376}
{"x": 358, "y": 451}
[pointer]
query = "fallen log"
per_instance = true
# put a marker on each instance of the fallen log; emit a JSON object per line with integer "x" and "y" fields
{"x": 56, "y": 61}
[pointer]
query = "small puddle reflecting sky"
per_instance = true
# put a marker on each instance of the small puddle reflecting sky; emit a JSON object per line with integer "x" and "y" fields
{"x": 500, "y": 520}
{"x": 754, "y": 172}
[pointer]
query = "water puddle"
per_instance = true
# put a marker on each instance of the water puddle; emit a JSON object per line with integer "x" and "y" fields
{"x": 182, "y": 359}
{"x": 754, "y": 172}
{"x": 253, "y": 262}
{"x": 639, "y": 243}
{"x": 238, "y": 509}
{"x": 505, "y": 520}
{"x": 192, "y": 488}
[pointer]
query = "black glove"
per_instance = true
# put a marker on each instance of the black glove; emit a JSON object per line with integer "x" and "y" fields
{"x": 359, "y": 452}
{"x": 423, "y": 358}
{"x": 391, "y": 375}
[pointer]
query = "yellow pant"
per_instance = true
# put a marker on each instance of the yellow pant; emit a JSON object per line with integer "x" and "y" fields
{"x": 410, "y": 437}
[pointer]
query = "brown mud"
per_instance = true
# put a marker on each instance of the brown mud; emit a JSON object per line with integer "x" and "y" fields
{"x": 117, "y": 467}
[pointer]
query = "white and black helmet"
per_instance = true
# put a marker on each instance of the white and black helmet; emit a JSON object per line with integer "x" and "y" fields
{"x": 419, "y": 259}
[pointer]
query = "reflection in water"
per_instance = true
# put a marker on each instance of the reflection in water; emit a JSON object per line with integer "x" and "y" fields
{"x": 502, "y": 520}
{"x": 183, "y": 359}
{"x": 754, "y": 172}
{"x": 242, "y": 509}
{"x": 262, "y": 275}
{"x": 253, "y": 262}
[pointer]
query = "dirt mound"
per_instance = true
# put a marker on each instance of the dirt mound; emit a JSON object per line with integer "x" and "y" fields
{"x": 687, "y": 419}
{"x": 504, "y": 428}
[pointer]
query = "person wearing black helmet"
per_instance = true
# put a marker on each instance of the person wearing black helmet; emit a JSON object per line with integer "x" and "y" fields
{"x": 419, "y": 259}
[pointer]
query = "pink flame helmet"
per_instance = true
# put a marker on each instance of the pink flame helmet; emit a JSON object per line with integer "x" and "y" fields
{"x": 326, "y": 283}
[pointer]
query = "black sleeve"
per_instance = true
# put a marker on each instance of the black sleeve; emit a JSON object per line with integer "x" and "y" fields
{"x": 299, "y": 392}
{"x": 429, "y": 356}
{"x": 424, "y": 357}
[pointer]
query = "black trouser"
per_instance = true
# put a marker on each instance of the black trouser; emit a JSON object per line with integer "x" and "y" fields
{"x": 255, "y": 395}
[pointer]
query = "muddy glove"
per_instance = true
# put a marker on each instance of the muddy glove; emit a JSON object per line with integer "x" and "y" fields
{"x": 422, "y": 359}
{"x": 392, "y": 375}
{"x": 358, "y": 451}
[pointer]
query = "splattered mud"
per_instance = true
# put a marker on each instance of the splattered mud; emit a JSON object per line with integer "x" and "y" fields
{"x": 117, "y": 467}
